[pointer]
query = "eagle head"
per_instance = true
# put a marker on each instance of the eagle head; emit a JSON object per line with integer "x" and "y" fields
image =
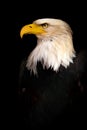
{"x": 54, "y": 44}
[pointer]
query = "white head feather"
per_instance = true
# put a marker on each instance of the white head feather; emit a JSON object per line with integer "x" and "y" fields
{"x": 54, "y": 48}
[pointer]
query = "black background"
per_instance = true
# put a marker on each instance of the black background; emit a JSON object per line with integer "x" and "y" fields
{"x": 19, "y": 13}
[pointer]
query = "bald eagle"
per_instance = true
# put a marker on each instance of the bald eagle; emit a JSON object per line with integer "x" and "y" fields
{"x": 51, "y": 80}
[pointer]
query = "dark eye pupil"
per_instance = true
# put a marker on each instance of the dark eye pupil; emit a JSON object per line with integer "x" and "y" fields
{"x": 44, "y": 25}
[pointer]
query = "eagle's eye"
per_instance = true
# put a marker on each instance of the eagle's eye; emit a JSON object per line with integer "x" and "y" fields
{"x": 44, "y": 25}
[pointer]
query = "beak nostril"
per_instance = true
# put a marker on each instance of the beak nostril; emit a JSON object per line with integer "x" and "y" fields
{"x": 30, "y": 26}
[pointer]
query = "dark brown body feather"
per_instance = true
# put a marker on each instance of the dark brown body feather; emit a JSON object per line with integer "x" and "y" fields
{"x": 52, "y": 99}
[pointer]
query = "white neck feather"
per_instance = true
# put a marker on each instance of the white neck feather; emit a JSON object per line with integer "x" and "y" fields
{"x": 52, "y": 53}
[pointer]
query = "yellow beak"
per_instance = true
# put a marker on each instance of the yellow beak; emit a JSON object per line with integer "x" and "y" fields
{"x": 31, "y": 29}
